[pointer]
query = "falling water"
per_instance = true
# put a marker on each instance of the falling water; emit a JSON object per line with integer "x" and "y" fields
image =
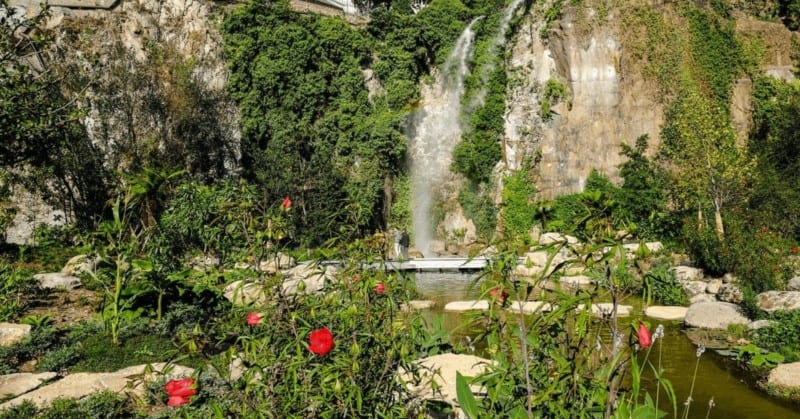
{"x": 436, "y": 132}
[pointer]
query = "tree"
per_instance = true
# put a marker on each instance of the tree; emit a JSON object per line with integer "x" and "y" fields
{"x": 703, "y": 159}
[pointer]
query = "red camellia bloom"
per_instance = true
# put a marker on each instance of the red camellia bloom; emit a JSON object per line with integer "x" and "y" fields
{"x": 287, "y": 204}
{"x": 320, "y": 341}
{"x": 380, "y": 288}
{"x": 254, "y": 318}
{"x": 498, "y": 293}
{"x": 794, "y": 250}
{"x": 179, "y": 391}
{"x": 644, "y": 336}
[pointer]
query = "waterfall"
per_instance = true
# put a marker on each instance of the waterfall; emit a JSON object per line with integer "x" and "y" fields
{"x": 435, "y": 132}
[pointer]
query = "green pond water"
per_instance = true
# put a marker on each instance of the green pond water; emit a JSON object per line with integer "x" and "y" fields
{"x": 717, "y": 376}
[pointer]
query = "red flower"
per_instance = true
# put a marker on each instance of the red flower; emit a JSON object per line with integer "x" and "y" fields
{"x": 355, "y": 279}
{"x": 644, "y": 336}
{"x": 254, "y": 318}
{"x": 499, "y": 293}
{"x": 380, "y": 288}
{"x": 179, "y": 391}
{"x": 794, "y": 250}
{"x": 320, "y": 341}
{"x": 764, "y": 229}
{"x": 287, "y": 204}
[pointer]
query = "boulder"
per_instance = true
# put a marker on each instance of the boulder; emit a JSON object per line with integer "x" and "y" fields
{"x": 275, "y": 263}
{"x": 692, "y": 288}
{"x": 306, "y": 277}
{"x": 19, "y": 383}
{"x": 11, "y": 333}
{"x": 204, "y": 263}
{"x": 714, "y": 315}
{"x": 58, "y": 280}
{"x": 78, "y": 265}
{"x": 729, "y": 278}
{"x": 461, "y": 306}
{"x": 758, "y": 324}
{"x": 436, "y": 378}
{"x": 687, "y": 273}
{"x": 793, "y": 284}
{"x": 778, "y": 300}
{"x": 730, "y": 293}
{"x": 702, "y": 298}
{"x": 713, "y": 286}
{"x": 785, "y": 375}
{"x": 666, "y": 312}
{"x": 245, "y": 292}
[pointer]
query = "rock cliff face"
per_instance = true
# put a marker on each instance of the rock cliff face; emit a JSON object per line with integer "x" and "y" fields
{"x": 607, "y": 103}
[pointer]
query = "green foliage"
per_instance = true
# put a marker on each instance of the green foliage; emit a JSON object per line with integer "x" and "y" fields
{"x": 782, "y": 335}
{"x": 642, "y": 198}
{"x": 757, "y": 357}
{"x": 401, "y": 206}
{"x": 480, "y": 209}
{"x": 660, "y": 285}
{"x": 590, "y": 213}
{"x": 16, "y": 286}
{"x": 554, "y": 91}
{"x": 518, "y": 211}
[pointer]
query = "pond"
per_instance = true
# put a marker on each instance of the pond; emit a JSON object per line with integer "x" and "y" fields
{"x": 717, "y": 376}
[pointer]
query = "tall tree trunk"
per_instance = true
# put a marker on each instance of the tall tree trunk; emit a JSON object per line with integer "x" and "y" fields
{"x": 718, "y": 227}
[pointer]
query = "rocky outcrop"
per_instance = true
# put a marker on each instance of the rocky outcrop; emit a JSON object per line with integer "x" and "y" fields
{"x": 19, "y": 383}
{"x": 714, "y": 315}
{"x": 778, "y": 300}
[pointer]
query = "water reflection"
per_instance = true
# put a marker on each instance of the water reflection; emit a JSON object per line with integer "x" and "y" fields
{"x": 717, "y": 376}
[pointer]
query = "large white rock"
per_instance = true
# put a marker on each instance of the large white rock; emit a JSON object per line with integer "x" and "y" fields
{"x": 551, "y": 238}
{"x": 794, "y": 284}
{"x": 692, "y": 288}
{"x": 730, "y": 293}
{"x": 78, "y": 265}
{"x": 307, "y": 278}
{"x": 785, "y": 375}
{"x": 714, "y": 315}
{"x": 778, "y": 300}
{"x": 461, "y": 306}
{"x": 437, "y": 375}
{"x": 666, "y": 312}
{"x": 57, "y": 280}
{"x": 687, "y": 273}
{"x": 244, "y": 292}
{"x": 11, "y": 333}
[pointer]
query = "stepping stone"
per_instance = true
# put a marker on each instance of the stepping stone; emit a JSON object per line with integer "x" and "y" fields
{"x": 461, "y": 306}
{"x": 19, "y": 383}
{"x": 414, "y": 305}
{"x": 437, "y": 376}
{"x": 666, "y": 312}
{"x": 785, "y": 375}
{"x": 82, "y": 384}
{"x": 603, "y": 309}
{"x": 58, "y": 280}
{"x": 530, "y": 307}
{"x": 11, "y": 333}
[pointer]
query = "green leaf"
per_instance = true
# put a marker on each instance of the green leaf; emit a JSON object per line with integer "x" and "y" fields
{"x": 465, "y": 397}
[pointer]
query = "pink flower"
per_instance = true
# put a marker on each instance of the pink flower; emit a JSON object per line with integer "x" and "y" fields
{"x": 287, "y": 204}
{"x": 179, "y": 391}
{"x": 320, "y": 341}
{"x": 380, "y": 288}
{"x": 499, "y": 293}
{"x": 254, "y": 318}
{"x": 644, "y": 336}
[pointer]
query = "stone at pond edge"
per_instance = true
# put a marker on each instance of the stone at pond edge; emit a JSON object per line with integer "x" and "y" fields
{"x": 19, "y": 383}
{"x": 418, "y": 305}
{"x": 11, "y": 333}
{"x": 785, "y": 375}
{"x": 459, "y": 306}
{"x": 778, "y": 300}
{"x": 441, "y": 369}
{"x": 714, "y": 315}
{"x": 57, "y": 280}
{"x": 82, "y": 384}
{"x": 666, "y": 312}
{"x": 530, "y": 307}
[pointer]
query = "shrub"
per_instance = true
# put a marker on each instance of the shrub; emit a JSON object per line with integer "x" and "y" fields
{"x": 519, "y": 210}
{"x": 662, "y": 286}
{"x": 782, "y": 336}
